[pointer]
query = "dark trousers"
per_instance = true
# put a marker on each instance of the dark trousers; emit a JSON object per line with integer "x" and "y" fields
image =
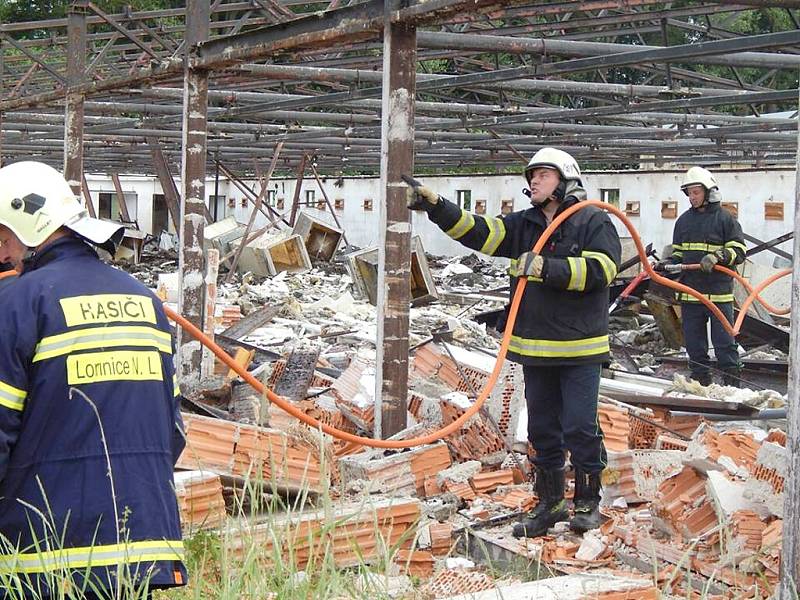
{"x": 695, "y": 316}
{"x": 562, "y": 415}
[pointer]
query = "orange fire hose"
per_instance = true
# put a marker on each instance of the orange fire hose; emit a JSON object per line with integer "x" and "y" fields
{"x": 512, "y": 317}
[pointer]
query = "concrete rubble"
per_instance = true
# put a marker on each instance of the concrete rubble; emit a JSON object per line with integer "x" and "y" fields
{"x": 690, "y": 504}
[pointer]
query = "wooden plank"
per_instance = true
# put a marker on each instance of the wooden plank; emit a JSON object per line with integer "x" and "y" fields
{"x": 251, "y": 322}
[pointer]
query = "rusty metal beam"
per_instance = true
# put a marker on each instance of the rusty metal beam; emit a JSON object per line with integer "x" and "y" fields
{"x": 171, "y": 195}
{"x": 351, "y": 23}
{"x": 43, "y": 64}
{"x": 259, "y": 200}
{"x": 191, "y": 262}
{"x": 328, "y": 203}
{"x": 128, "y": 34}
{"x": 123, "y": 206}
{"x": 301, "y": 169}
{"x": 394, "y": 245}
{"x": 88, "y": 197}
{"x": 73, "y": 112}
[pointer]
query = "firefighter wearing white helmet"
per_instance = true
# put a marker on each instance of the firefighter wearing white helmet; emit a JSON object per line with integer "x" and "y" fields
{"x": 698, "y": 176}
{"x": 83, "y": 345}
{"x": 36, "y": 202}
{"x": 560, "y": 336}
{"x": 707, "y": 235}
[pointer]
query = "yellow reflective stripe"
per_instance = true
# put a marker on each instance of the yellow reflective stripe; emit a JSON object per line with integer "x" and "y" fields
{"x": 497, "y": 233}
{"x": 462, "y": 226}
{"x": 512, "y": 267}
{"x": 702, "y": 246}
{"x": 175, "y": 385}
{"x": 92, "y": 556}
{"x": 609, "y": 266}
{"x": 577, "y": 274}
{"x": 677, "y": 247}
{"x": 713, "y": 297}
{"x": 102, "y": 337}
{"x": 735, "y": 244}
{"x": 559, "y": 348}
{"x": 11, "y": 397}
{"x": 677, "y": 253}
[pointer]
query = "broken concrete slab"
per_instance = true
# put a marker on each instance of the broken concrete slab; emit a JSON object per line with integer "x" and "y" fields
{"x": 571, "y": 587}
{"x": 636, "y": 475}
{"x": 765, "y": 488}
{"x": 222, "y": 234}
{"x": 271, "y": 254}
{"x": 321, "y": 239}
{"x": 727, "y": 495}
{"x": 363, "y": 269}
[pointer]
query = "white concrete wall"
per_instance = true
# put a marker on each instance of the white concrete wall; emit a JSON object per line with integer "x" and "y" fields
{"x": 750, "y": 189}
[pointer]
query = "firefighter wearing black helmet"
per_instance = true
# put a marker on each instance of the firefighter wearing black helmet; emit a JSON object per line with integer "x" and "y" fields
{"x": 560, "y": 336}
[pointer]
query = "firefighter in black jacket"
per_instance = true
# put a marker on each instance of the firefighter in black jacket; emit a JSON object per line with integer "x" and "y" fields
{"x": 708, "y": 235}
{"x": 561, "y": 332}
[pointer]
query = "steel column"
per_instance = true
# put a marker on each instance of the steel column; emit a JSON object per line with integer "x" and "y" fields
{"x": 394, "y": 245}
{"x": 73, "y": 117}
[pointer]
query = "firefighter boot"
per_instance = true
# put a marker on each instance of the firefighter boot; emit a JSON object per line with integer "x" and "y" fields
{"x": 732, "y": 377}
{"x": 551, "y": 508}
{"x": 703, "y": 378}
{"x": 587, "y": 502}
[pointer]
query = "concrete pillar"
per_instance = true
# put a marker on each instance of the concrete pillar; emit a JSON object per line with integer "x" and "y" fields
{"x": 193, "y": 176}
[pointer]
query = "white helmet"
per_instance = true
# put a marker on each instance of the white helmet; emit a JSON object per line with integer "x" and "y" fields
{"x": 699, "y": 176}
{"x": 35, "y": 200}
{"x": 559, "y": 160}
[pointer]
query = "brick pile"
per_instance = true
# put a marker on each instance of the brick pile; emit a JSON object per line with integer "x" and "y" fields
{"x": 200, "y": 500}
{"x": 274, "y": 457}
{"x": 349, "y": 535}
{"x": 717, "y": 516}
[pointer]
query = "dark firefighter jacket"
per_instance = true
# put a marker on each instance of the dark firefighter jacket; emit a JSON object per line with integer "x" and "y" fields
{"x": 89, "y": 427}
{"x": 698, "y": 233}
{"x": 563, "y": 319}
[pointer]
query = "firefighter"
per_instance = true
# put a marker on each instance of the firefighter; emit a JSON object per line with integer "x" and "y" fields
{"x": 708, "y": 235}
{"x": 89, "y": 422}
{"x": 560, "y": 336}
